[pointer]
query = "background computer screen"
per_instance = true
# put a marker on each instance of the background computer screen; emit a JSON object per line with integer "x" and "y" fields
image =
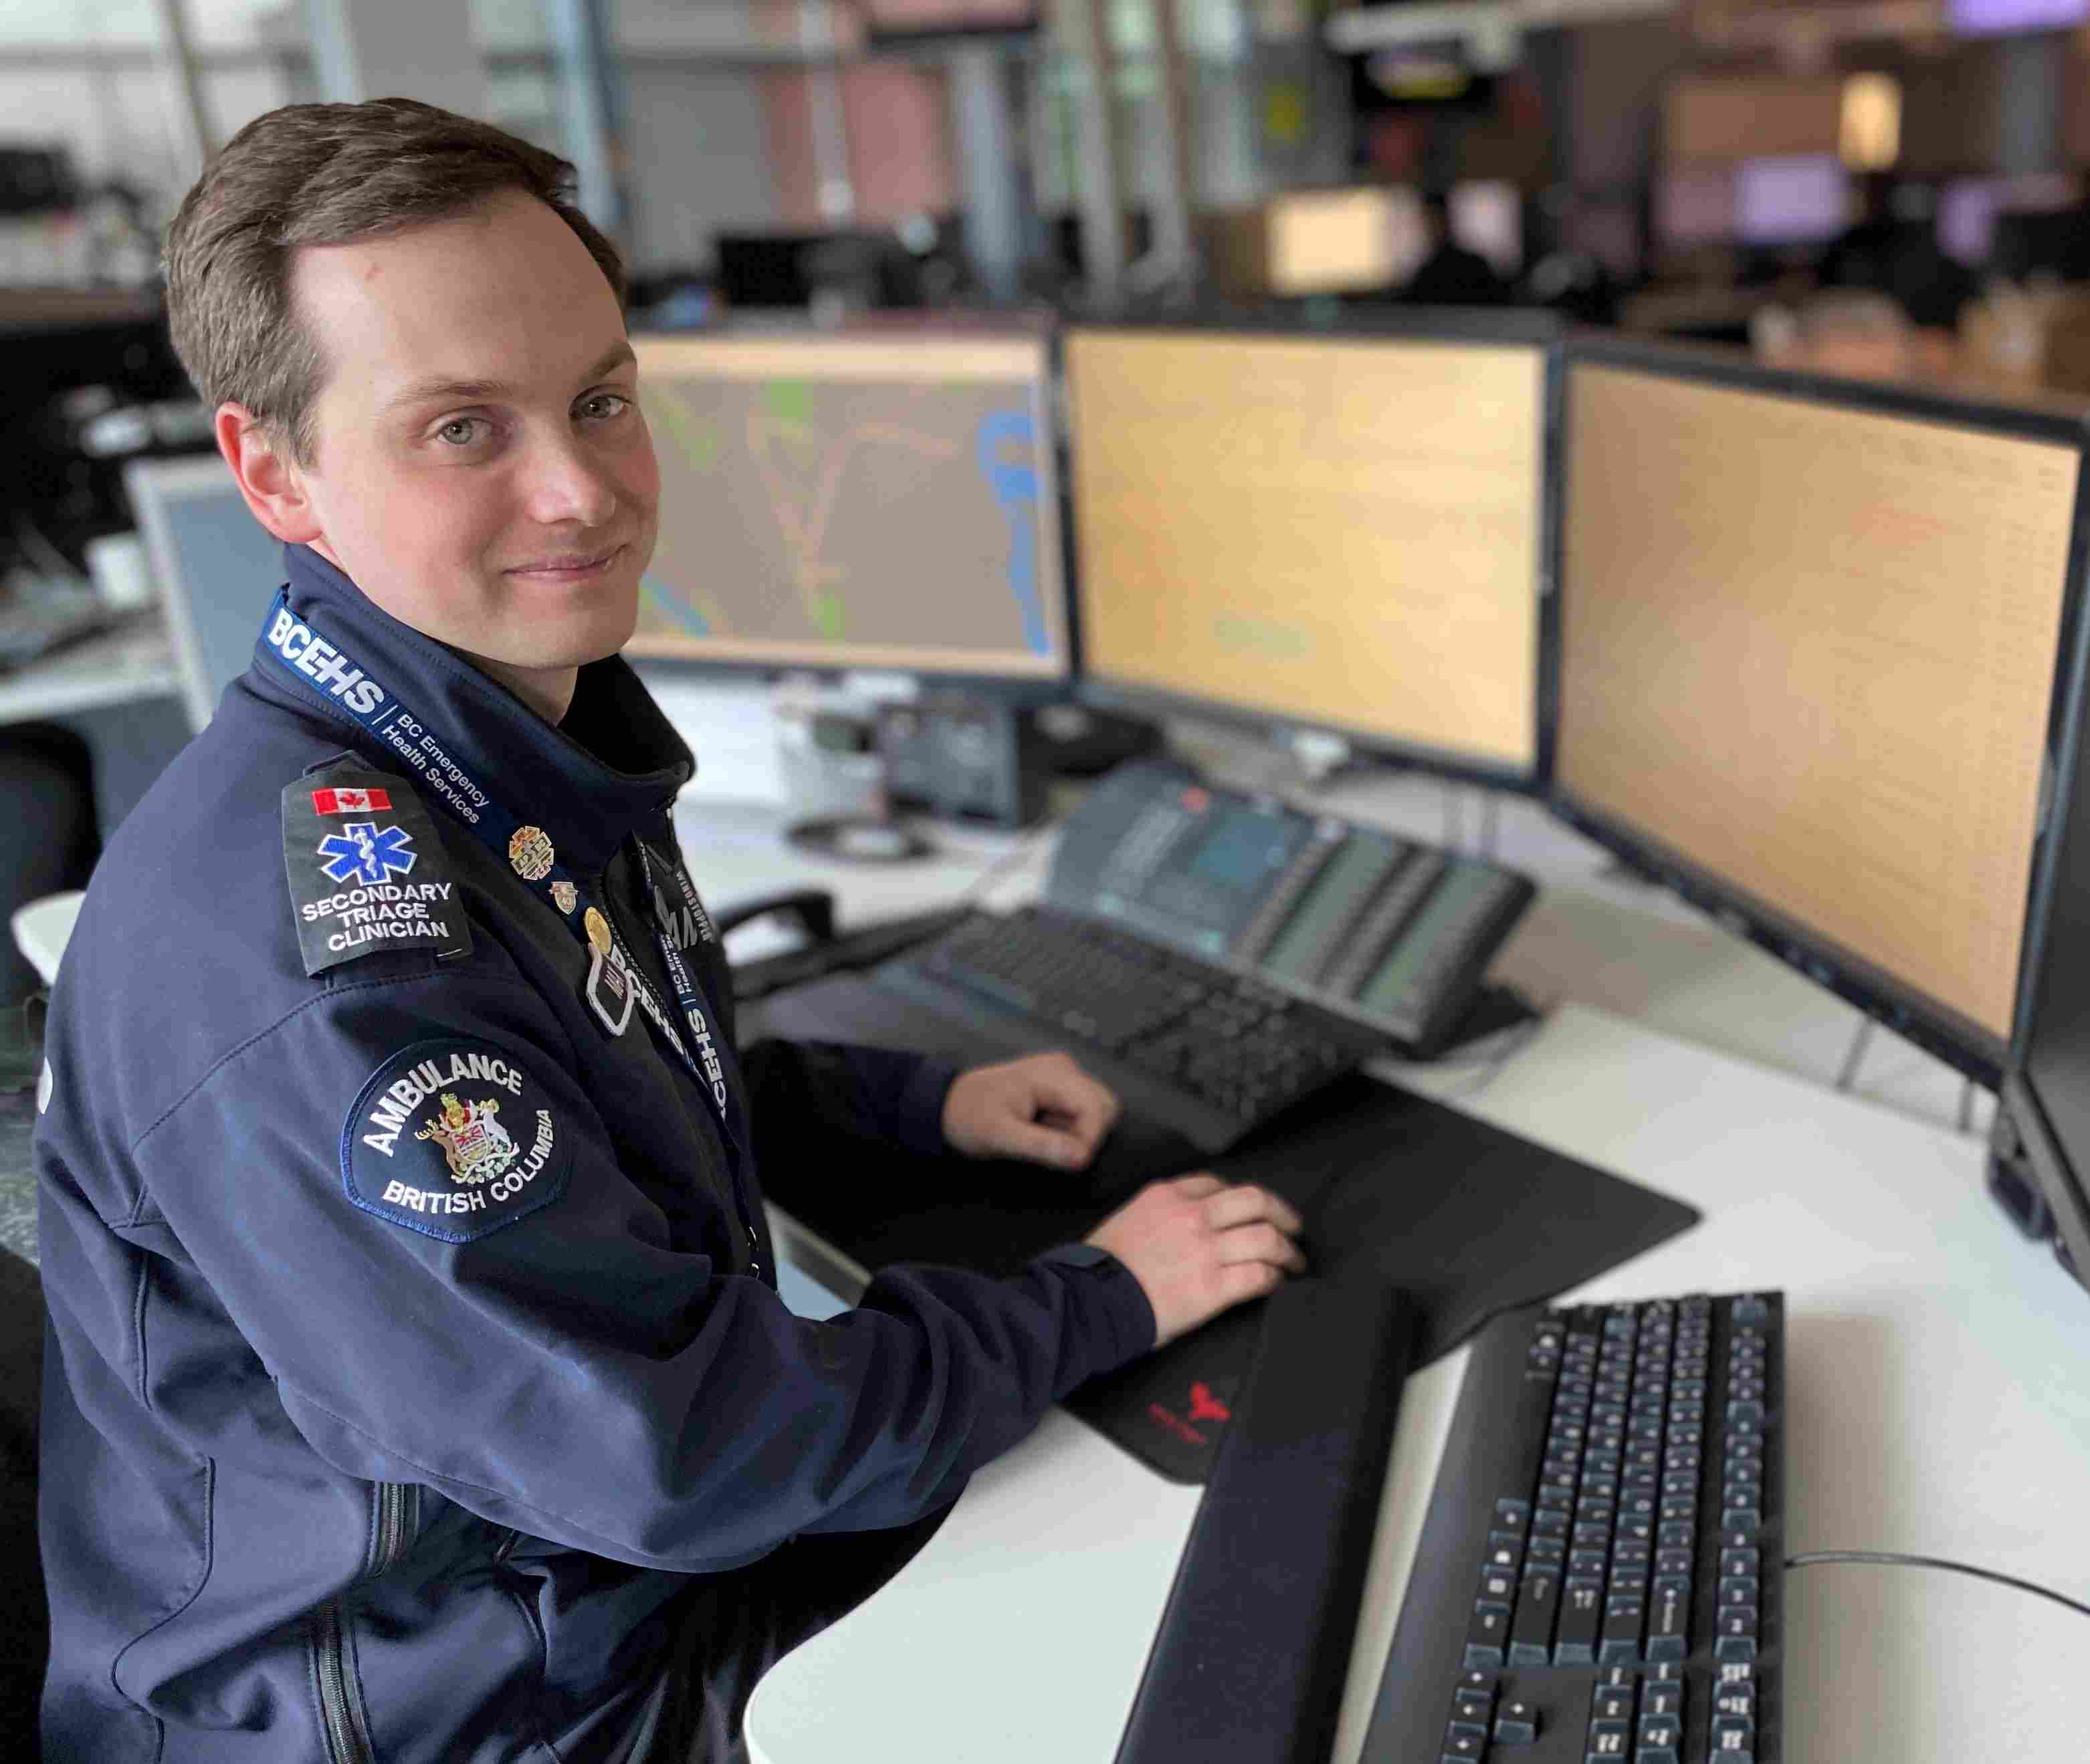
{"x": 1791, "y": 199}
{"x": 879, "y": 501}
{"x": 215, "y": 567}
{"x": 1332, "y": 240}
{"x": 1809, "y": 648}
{"x": 1341, "y": 532}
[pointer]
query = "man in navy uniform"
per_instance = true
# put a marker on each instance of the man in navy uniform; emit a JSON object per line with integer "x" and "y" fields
{"x": 419, "y": 1389}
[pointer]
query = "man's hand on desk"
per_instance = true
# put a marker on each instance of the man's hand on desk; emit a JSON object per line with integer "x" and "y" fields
{"x": 1198, "y": 1246}
{"x": 1044, "y": 1108}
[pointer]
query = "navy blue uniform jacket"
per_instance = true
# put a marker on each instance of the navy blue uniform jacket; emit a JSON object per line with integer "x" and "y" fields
{"x": 350, "y": 1452}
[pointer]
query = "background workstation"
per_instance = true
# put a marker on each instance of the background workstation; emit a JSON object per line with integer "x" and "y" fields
{"x": 1674, "y": 573}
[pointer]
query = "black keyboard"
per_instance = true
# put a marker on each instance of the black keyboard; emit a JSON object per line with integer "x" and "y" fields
{"x": 1186, "y": 1043}
{"x": 1600, "y": 1575}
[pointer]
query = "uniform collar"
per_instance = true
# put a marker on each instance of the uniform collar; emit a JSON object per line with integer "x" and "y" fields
{"x": 588, "y": 798}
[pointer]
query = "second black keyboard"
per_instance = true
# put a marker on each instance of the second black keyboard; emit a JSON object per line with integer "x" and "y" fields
{"x": 1186, "y": 1043}
{"x": 1600, "y": 1576}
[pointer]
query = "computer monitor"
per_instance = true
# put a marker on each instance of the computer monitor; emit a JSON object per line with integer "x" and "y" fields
{"x": 1344, "y": 532}
{"x": 1316, "y": 242}
{"x": 1966, "y": 219}
{"x": 216, "y": 568}
{"x": 2042, "y": 1130}
{"x": 1998, "y": 18}
{"x": 879, "y": 500}
{"x": 1811, "y": 670}
{"x": 1791, "y": 199}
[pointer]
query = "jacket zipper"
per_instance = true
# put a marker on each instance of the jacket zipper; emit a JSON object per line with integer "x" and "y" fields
{"x": 740, "y": 1202}
{"x": 390, "y": 1542}
{"x": 343, "y": 1721}
{"x": 341, "y": 1713}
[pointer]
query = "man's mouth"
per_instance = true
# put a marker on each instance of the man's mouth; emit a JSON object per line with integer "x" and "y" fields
{"x": 578, "y": 567}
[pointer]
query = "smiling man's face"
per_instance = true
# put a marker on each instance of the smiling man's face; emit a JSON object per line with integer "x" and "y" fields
{"x": 480, "y": 467}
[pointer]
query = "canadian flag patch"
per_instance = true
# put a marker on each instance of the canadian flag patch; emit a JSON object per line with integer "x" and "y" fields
{"x": 352, "y": 801}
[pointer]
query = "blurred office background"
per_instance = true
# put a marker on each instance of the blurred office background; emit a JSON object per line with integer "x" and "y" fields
{"x": 1888, "y": 187}
{"x": 1900, "y": 175}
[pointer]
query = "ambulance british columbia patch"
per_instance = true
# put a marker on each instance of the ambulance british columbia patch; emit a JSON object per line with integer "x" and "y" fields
{"x": 453, "y": 1138}
{"x": 366, "y": 870}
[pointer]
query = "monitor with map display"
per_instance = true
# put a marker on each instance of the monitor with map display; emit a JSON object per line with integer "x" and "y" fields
{"x": 880, "y": 499}
{"x": 1344, "y": 533}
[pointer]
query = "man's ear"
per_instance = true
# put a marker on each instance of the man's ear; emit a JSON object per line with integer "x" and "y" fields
{"x": 271, "y": 484}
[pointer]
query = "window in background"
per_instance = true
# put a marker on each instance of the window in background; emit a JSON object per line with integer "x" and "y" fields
{"x": 1267, "y": 112}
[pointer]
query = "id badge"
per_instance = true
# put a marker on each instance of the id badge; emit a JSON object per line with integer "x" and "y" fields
{"x": 609, "y": 993}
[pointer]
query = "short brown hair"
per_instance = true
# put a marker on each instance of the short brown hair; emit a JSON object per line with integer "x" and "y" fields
{"x": 326, "y": 175}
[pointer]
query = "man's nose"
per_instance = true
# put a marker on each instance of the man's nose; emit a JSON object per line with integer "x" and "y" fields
{"x": 567, "y": 486}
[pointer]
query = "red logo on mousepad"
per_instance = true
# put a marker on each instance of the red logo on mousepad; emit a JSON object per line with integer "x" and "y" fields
{"x": 1205, "y": 1407}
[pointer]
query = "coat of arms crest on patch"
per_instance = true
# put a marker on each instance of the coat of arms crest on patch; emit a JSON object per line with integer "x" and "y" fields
{"x": 476, "y": 1146}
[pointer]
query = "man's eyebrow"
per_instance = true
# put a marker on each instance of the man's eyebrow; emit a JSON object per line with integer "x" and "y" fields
{"x": 438, "y": 390}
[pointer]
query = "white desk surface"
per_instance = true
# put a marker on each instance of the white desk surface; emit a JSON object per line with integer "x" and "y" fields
{"x": 1938, "y": 1366}
{"x": 1937, "y": 1403}
{"x": 43, "y": 928}
{"x": 135, "y": 663}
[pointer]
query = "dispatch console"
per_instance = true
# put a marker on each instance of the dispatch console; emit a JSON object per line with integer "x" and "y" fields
{"x": 1235, "y": 950}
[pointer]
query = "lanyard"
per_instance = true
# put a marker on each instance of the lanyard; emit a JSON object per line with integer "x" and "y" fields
{"x": 686, "y": 994}
{"x": 295, "y": 648}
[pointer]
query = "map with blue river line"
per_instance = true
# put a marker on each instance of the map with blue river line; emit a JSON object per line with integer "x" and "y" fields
{"x": 800, "y": 513}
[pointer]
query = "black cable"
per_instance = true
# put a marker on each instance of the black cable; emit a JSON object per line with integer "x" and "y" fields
{"x": 1888, "y": 1559}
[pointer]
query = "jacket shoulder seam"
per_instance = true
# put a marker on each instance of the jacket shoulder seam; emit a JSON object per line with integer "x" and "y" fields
{"x": 511, "y": 982}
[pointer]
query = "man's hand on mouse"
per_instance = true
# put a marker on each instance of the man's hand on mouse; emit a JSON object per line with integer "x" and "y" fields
{"x": 1043, "y": 1108}
{"x": 1198, "y": 1245}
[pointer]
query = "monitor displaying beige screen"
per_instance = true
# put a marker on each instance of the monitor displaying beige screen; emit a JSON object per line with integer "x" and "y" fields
{"x": 1810, "y": 650}
{"x": 875, "y": 500}
{"x": 1338, "y": 532}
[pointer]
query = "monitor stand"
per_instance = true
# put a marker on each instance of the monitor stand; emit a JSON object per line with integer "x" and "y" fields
{"x": 1495, "y": 1011}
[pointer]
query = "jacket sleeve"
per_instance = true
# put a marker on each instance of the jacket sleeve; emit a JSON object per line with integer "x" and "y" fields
{"x": 828, "y": 1091}
{"x": 567, "y": 1371}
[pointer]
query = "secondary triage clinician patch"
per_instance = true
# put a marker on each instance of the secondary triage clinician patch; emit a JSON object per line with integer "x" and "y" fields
{"x": 366, "y": 870}
{"x": 453, "y": 1138}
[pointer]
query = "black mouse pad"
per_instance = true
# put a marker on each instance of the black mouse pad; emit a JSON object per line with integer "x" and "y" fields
{"x": 1468, "y": 1219}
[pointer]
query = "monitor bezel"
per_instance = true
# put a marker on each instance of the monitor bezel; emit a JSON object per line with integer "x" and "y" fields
{"x": 1023, "y": 685}
{"x": 2060, "y": 1186}
{"x": 1538, "y": 330}
{"x": 1929, "y": 1023}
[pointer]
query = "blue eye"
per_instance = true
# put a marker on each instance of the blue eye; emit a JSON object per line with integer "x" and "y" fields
{"x": 447, "y": 432}
{"x": 618, "y": 403}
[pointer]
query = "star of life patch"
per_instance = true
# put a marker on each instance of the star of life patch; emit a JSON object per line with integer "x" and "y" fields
{"x": 366, "y": 869}
{"x": 453, "y": 1138}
